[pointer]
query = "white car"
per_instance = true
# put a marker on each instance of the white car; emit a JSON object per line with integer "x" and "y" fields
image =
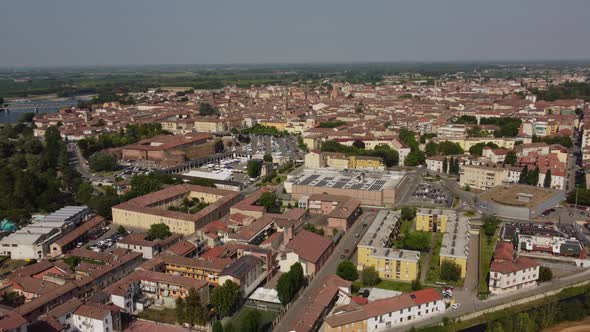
{"x": 456, "y": 305}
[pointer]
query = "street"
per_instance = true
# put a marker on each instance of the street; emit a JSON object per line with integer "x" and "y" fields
{"x": 348, "y": 241}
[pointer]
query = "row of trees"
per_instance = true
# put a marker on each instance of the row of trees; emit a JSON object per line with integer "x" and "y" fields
{"x": 290, "y": 283}
{"x": 451, "y": 166}
{"x": 131, "y": 134}
{"x": 390, "y": 156}
{"x": 566, "y": 141}
{"x": 415, "y": 157}
{"x": 445, "y": 148}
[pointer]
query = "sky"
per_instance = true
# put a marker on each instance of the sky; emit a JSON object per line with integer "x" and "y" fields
{"x": 143, "y": 32}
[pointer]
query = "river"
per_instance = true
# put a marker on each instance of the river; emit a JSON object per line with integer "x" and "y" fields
{"x": 16, "y": 108}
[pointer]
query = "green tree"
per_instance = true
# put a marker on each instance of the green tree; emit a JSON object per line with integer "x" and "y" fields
{"x": 452, "y": 165}
{"x": 524, "y": 323}
{"x": 268, "y": 200}
{"x": 347, "y": 270}
{"x": 358, "y": 144}
{"x": 446, "y": 148}
{"x": 206, "y": 109}
{"x": 415, "y": 158}
{"x": 285, "y": 288}
{"x": 121, "y": 230}
{"x": 445, "y": 166}
{"x": 219, "y": 147}
{"x": 101, "y": 162}
{"x": 26, "y": 117}
{"x": 297, "y": 275}
{"x": 158, "y": 231}
{"x": 369, "y": 276}
{"x": 251, "y": 321}
{"x": 253, "y": 168}
{"x": 217, "y": 327}
{"x": 417, "y": 241}
{"x": 408, "y": 213}
{"x": 533, "y": 177}
{"x": 267, "y": 158}
{"x": 523, "y": 175}
{"x": 226, "y": 298}
{"x": 416, "y": 285}
{"x": 477, "y": 149}
{"x": 85, "y": 191}
{"x": 13, "y": 299}
{"x": 456, "y": 166}
{"x": 547, "y": 180}
{"x": 450, "y": 271}
{"x": 431, "y": 149}
{"x": 190, "y": 310}
{"x": 511, "y": 158}
{"x": 545, "y": 274}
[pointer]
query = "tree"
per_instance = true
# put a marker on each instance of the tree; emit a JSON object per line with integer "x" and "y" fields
{"x": 545, "y": 274}
{"x": 285, "y": 288}
{"x": 431, "y": 149}
{"x": 450, "y": 271}
{"x": 511, "y": 158}
{"x": 533, "y": 177}
{"x": 408, "y": 213}
{"x": 121, "y": 230}
{"x": 297, "y": 276}
{"x": 217, "y": 327}
{"x": 416, "y": 285}
{"x": 417, "y": 241}
{"x": 452, "y": 165}
{"x": 85, "y": 191}
{"x": 206, "y": 109}
{"x": 226, "y": 298}
{"x": 253, "y": 168}
{"x": 190, "y": 310}
{"x": 415, "y": 158}
{"x": 477, "y": 149}
{"x": 26, "y": 117}
{"x": 219, "y": 147}
{"x": 251, "y": 321}
{"x": 13, "y": 299}
{"x": 268, "y": 199}
{"x": 490, "y": 224}
{"x": 370, "y": 276}
{"x": 347, "y": 270}
{"x": 523, "y": 175}
{"x": 158, "y": 231}
{"x": 445, "y": 166}
{"x": 547, "y": 180}
{"x": 101, "y": 162}
{"x": 456, "y": 166}
{"x": 358, "y": 144}
{"x": 524, "y": 323}
{"x": 267, "y": 158}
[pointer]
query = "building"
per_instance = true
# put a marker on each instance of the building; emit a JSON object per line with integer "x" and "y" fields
{"x": 170, "y": 149}
{"x": 342, "y": 211}
{"x": 309, "y": 249}
{"x": 12, "y": 322}
{"x": 141, "y": 212}
{"x": 138, "y": 242}
{"x": 336, "y": 160}
{"x": 456, "y": 229}
{"x": 247, "y": 271}
{"x": 546, "y": 238}
{"x": 386, "y": 314}
{"x": 208, "y": 269}
{"x": 517, "y": 201}
{"x": 481, "y": 177}
{"x": 508, "y": 273}
{"x": 79, "y": 234}
{"x": 373, "y": 250}
{"x": 370, "y": 188}
{"x": 91, "y": 318}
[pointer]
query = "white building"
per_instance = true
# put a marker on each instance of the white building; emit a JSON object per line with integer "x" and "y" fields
{"x": 93, "y": 319}
{"x": 509, "y": 274}
{"x": 386, "y": 314}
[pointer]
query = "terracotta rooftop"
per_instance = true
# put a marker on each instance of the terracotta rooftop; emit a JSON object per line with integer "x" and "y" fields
{"x": 309, "y": 246}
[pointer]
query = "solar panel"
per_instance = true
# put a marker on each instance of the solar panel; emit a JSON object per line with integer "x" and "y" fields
{"x": 339, "y": 184}
{"x": 357, "y": 186}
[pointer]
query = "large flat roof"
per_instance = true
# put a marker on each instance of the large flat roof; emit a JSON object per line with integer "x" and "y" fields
{"x": 508, "y": 195}
{"x": 348, "y": 179}
{"x": 164, "y": 142}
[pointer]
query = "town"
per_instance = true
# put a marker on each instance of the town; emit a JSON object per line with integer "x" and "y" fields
{"x": 414, "y": 202}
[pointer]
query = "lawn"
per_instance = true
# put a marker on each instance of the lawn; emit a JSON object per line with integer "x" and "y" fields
{"x": 433, "y": 274}
{"x": 486, "y": 250}
{"x": 9, "y": 265}
{"x": 399, "y": 286}
{"x": 266, "y": 318}
{"x": 165, "y": 315}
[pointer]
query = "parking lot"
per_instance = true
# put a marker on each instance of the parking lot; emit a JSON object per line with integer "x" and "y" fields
{"x": 432, "y": 193}
{"x": 281, "y": 148}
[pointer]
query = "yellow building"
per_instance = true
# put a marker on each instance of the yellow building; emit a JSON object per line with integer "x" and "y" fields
{"x": 482, "y": 177}
{"x": 200, "y": 269}
{"x": 210, "y": 125}
{"x": 393, "y": 264}
{"x": 455, "y": 243}
{"x": 141, "y": 212}
{"x": 279, "y": 125}
{"x": 365, "y": 162}
{"x": 467, "y": 143}
{"x": 336, "y": 160}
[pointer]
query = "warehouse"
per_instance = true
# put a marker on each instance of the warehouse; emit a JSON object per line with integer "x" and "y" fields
{"x": 519, "y": 202}
{"x": 369, "y": 187}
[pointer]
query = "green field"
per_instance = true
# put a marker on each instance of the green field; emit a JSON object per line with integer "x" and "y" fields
{"x": 165, "y": 315}
{"x": 433, "y": 274}
{"x": 266, "y": 318}
{"x": 486, "y": 250}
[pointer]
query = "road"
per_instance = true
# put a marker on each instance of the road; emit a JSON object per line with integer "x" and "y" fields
{"x": 81, "y": 164}
{"x": 470, "y": 304}
{"x": 348, "y": 241}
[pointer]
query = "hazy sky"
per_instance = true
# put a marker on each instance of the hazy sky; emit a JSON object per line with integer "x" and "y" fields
{"x": 105, "y": 32}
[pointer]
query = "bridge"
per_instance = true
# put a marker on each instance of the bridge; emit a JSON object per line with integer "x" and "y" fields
{"x": 37, "y": 105}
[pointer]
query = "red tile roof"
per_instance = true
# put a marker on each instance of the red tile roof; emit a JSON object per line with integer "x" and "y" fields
{"x": 309, "y": 246}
